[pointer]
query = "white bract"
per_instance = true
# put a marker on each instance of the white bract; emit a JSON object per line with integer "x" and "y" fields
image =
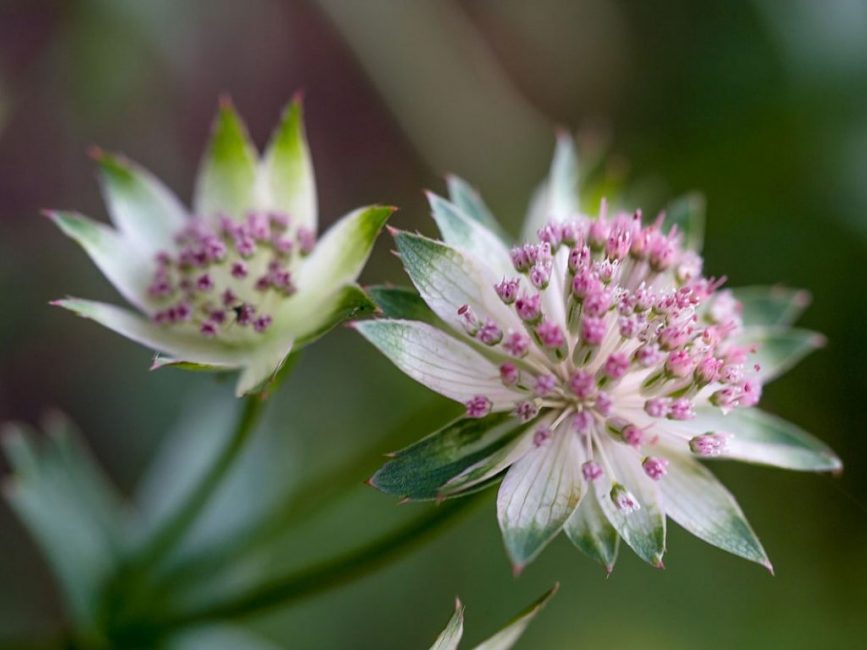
{"x": 239, "y": 281}
{"x": 597, "y": 365}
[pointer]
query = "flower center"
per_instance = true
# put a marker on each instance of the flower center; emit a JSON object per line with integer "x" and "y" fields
{"x": 225, "y": 278}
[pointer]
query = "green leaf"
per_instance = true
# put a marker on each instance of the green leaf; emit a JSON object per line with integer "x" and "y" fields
{"x": 462, "y": 232}
{"x": 779, "y": 348}
{"x": 450, "y": 637}
{"x": 115, "y": 256}
{"x": 509, "y": 635}
{"x": 687, "y": 212}
{"x": 771, "y": 306}
{"x": 70, "y": 509}
{"x": 340, "y": 255}
{"x": 644, "y": 529}
{"x": 589, "y": 529}
{"x": 539, "y": 493}
{"x": 557, "y": 197}
{"x": 402, "y": 303}
{"x": 287, "y": 172}
{"x": 226, "y": 182}
{"x": 439, "y": 361}
{"x": 141, "y": 207}
{"x": 420, "y": 470}
{"x": 696, "y": 500}
{"x": 470, "y": 202}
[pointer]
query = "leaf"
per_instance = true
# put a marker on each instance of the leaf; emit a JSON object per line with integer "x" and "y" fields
{"x": 779, "y": 348}
{"x": 462, "y": 232}
{"x": 644, "y": 529}
{"x": 340, "y": 255}
{"x": 115, "y": 256}
{"x": 509, "y": 635}
{"x": 696, "y": 500}
{"x": 420, "y": 470}
{"x": 539, "y": 493}
{"x": 438, "y": 361}
{"x": 286, "y": 174}
{"x": 402, "y": 303}
{"x": 771, "y": 306}
{"x": 687, "y": 212}
{"x": 557, "y": 197}
{"x": 226, "y": 182}
{"x": 450, "y": 637}
{"x": 589, "y": 529}
{"x": 470, "y": 202}
{"x": 141, "y": 207}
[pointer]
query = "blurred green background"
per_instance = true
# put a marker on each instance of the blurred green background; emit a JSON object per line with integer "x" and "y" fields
{"x": 760, "y": 104}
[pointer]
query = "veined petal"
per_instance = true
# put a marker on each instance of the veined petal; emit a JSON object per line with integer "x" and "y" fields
{"x": 642, "y": 529}
{"x": 309, "y": 314}
{"x": 470, "y": 202}
{"x": 447, "y": 279}
{"x": 340, "y": 255}
{"x": 538, "y": 495}
{"x": 696, "y": 500}
{"x": 124, "y": 265}
{"x": 687, "y": 212}
{"x": 439, "y": 361}
{"x": 509, "y": 635}
{"x": 450, "y": 637}
{"x": 462, "y": 232}
{"x": 771, "y": 306}
{"x": 779, "y": 348}
{"x": 226, "y": 182}
{"x": 589, "y": 529}
{"x": 286, "y": 177}
{"x": 557, "y": 197}
{"x": 420, "y": 470}
{"x": 402, "y": 303}
{"x": 141, "y": 207}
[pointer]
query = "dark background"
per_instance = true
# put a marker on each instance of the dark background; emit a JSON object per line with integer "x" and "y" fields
{"x": 759, "y": 104}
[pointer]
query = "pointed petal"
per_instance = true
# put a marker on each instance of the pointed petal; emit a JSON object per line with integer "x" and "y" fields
{"x": 124, "y": 266}
{"x": 643, "y": 529}
{"x": 286, "y": 176}
{"x": 779, "y": 348}
{"x": 509, "y": 635}
{"x": 450, "y": 637}
{"x": 402, "y": 303}
{"x": 161, "y": 361}
{"x": 539, "y": 493}
{"x": 226, "y": 182}
{"x": 439, "y": 361}
{"x": 557, "y": 197}
{"x": 132, "y": 326}
{"x": 309, "y": 314}
{"x": 462, "y": 232}
{"x": 771, "y": 306}
{"x": 470, "y": 202}
{"x": 141, "y": 207}
{"x": 262, "y": 365}
{"x": 341, "y": 254}
{"x": 447, "y": 279}
{"x": 420, "y": 470}
{"x": 696, "y": 500}
{"x": 589, "y": 529}
{"x": 687, "y": 212}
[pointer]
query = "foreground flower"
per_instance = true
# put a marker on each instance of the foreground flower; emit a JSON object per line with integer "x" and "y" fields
{"x": 450, "y": 637}
{"x": 239, "y": 282}
{"x": 597, "y": 365}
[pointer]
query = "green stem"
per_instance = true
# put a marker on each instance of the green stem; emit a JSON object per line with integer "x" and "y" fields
{"x": 330, "y": 573}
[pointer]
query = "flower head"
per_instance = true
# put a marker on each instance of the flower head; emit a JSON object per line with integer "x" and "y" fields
{"x": 240, "y": 280}
{"x": 624, "y": 366}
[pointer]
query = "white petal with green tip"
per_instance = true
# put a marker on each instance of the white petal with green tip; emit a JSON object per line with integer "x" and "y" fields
{"x": 779, "y": 348}
{"x": 308, "y": 314}
{"x": 589, "y": 529}
{"x": 538, "y": 495}
{"x": 557, "y": 197}
{"x": 771, "y": 306}
{"x": 688, "y": 214}
{"x": 696, "y": 500}
{"x": 286, "y": 179}
{"x": 439, "y": 361}
{"x": 450, "y": 637}
{"x": 468, "y": 199}
{"x": 226, "y": 182}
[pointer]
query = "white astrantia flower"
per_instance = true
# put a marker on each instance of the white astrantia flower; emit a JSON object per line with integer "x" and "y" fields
{"x": 450, "y": 637}
{"x": 598, "y": 366}
{"x": 239, "y": 281}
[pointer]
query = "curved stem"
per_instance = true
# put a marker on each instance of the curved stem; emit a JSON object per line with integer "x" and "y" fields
{"x": 330, "y": 573}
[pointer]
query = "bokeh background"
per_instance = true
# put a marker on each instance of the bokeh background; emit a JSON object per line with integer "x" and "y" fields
{"x": 760, "y": 104}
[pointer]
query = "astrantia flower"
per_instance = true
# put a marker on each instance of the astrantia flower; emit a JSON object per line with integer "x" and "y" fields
{"x": 241, "y": 280}
{"x": 598, "y": 366}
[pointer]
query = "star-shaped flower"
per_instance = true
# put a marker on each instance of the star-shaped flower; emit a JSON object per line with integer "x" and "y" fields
{"x": 598, "y": 367}
{"x": 239, "y": 281}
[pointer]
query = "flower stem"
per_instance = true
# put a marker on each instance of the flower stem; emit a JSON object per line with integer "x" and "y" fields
{"x": 330, "y": 573}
